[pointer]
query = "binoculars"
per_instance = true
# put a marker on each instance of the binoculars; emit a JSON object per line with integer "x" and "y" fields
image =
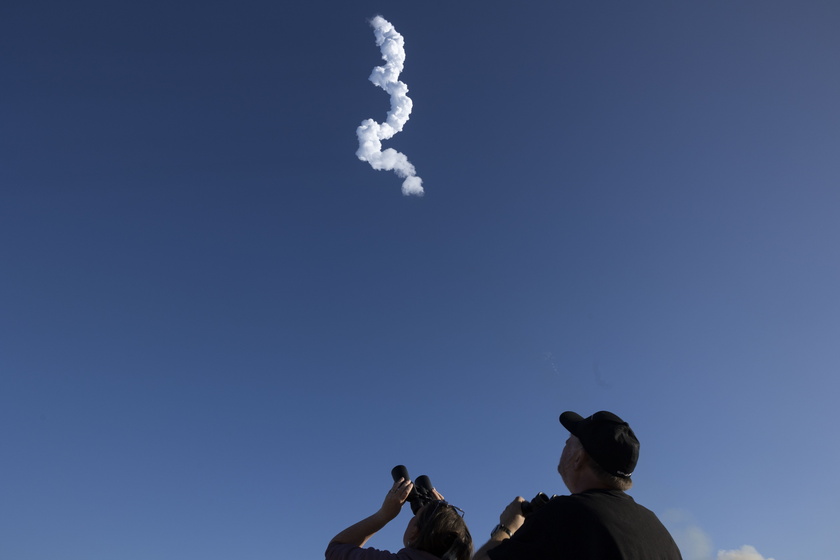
{"x": 421, "y": 494}
{"x": 536, "y": 503}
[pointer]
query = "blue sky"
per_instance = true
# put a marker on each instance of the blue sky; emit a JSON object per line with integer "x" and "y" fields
{"x": 220, "y": 330}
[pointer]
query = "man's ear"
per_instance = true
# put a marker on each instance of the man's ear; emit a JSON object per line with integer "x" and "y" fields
{"x": 579, "y": 459}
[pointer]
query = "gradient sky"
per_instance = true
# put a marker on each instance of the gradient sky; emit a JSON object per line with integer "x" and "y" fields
{"x": 220, "y": 330}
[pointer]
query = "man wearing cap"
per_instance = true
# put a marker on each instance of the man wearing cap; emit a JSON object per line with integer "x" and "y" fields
{"x": 597, "y": 520}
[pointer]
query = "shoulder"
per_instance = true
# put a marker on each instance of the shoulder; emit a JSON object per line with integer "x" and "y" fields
{"x": 575, "y": 505}
{"x": 414, "y": 554}
{"x": 609, "y": 503}
{"x": 621, "y": 515}
{"x": 603, "y": 498}
{"x": 614, "y": 500}
{"x": 337, "y": 551}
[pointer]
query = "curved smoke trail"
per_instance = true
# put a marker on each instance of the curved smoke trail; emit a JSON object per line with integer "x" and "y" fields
{"x": 370, "y": 132}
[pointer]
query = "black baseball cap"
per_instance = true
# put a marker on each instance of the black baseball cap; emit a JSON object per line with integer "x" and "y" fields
{"x": 607, "y": 439}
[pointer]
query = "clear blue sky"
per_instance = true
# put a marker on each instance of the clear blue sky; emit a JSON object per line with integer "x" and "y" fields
{"x": 220, "y": 330}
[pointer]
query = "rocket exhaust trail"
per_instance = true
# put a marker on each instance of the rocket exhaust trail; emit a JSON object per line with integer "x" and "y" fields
{"x": 370, "y": 132}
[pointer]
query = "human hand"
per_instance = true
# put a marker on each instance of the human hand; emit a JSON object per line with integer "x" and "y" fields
{"x": 512, "y": 517}
{"x": 395, "y": 498}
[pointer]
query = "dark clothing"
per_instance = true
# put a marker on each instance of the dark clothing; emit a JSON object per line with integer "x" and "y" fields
{"x": 337, "y": 551}
{"x": 591, "y": 525}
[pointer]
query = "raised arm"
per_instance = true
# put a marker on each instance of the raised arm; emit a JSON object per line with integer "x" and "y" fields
{"x": 509, "y": 522}
{"x": 359, "y": 533}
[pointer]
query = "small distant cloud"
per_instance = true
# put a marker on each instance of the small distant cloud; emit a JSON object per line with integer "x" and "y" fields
{"x": 746, "y": 552}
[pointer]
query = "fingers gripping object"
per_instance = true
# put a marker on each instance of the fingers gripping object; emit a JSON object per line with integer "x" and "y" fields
{"x": 421, "y": 494}
{"x": 536, "y": 503}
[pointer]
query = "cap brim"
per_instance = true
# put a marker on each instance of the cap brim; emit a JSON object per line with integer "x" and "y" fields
{"x": 570, "y": 420}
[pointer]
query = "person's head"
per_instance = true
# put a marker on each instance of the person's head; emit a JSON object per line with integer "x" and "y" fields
{"x": 602, "y": 448}
{"x": 439, "y": 529}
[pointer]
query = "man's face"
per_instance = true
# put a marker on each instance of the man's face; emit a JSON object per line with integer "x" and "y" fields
{"x": 412, "y": 530}
{"x": 570, "y": 451}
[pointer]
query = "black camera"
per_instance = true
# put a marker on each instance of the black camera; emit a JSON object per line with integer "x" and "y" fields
{"x": 421, "y": 494}
{"x": 536, "y": 503}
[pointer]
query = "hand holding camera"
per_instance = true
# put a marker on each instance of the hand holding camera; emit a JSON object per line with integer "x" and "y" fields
{"x": 536, "y": 503}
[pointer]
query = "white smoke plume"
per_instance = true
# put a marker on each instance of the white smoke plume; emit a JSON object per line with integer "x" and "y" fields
{"x": 370, "y": 132}
{"x": 695, "y": 544}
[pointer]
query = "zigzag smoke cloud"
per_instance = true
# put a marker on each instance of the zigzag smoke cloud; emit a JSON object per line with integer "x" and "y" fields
{"x": 370, "y": 132}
